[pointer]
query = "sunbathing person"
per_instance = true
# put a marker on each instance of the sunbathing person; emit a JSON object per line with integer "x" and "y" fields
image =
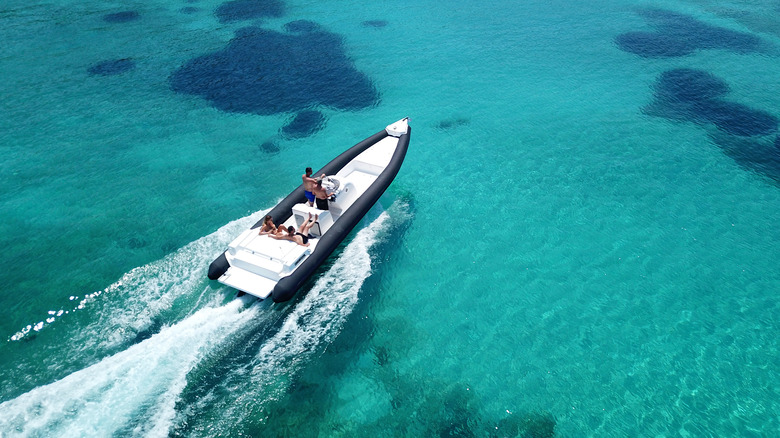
{"x": 281, "y": 231}
{"x": 301, "y": 237}
{"x": 268, "y": 226}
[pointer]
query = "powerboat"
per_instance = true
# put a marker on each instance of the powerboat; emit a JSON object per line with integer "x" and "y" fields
{"x": 264, "y": 266}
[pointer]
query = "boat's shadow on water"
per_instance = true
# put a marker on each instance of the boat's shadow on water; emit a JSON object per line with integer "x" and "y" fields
{"x": 212, "y": 385}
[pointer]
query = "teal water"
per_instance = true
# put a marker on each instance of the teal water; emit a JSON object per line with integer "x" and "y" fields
{"x": 566, "y": 250}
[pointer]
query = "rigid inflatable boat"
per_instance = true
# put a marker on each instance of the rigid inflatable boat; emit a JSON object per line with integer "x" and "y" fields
{"x": 263, "y": 266}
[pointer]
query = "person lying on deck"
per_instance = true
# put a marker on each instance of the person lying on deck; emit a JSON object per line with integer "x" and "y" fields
{"x": 281, "y": 231}
{"x": 302, "y": 236}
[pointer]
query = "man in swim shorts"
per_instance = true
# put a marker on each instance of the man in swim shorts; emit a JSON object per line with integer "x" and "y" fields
{"x": 308, "y": 186}
{"x": 321, "y": 195}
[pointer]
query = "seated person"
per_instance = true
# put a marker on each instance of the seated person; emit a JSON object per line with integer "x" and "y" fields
{"x": 322, "y": 196}
{"x": 268, "y": 226}
{"x": 302, "y": 236}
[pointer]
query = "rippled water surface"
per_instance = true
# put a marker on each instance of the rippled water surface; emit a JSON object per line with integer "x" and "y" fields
{"x": 582, "y": 240}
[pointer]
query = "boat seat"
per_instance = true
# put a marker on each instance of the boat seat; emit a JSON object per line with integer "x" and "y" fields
{"x": 364, "y": 167}
{"x": 258, "y": 264}
{"x": 347, "y": 196}
{"x": 301, "y": 214}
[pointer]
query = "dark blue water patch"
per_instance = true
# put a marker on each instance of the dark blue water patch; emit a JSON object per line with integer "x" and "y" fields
{"x": 738, "y": 119}
{"x": 457, "y": 413}
{"x": 267, "y": 72}
{"x": 697, "y": 96}
{"x": 742, "y": 132}
{"x": 690, "y": 85}
{"x": 112, "y": 67}
{"x": 448, "y": 124}
{"x": 304, "y": 124}
{"x": 270, "y": 147}
{"x": 136, "y": 243}
{"x": 532, "y": 424}
{"x": 753, "y": 154}
{"x": 377, "y": 24}
{"x": 239, "y": 10}
{"x": 301, "y": 26}
{"x": 189, "y": 10}
{"x": 170, "y": 246}
{"x": 654, "y": 45}
{"x": 121, "y": 17}
{"x": 679, "y": 35}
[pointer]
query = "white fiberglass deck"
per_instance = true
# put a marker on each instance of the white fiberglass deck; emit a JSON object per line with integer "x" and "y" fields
{"x": 258, "y": 262}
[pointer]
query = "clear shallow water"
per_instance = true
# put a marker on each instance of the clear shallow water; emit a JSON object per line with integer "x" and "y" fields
{"x": 622, "y": 280}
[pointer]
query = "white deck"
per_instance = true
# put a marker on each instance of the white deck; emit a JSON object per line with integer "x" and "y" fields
{"x": 258, "y": 262}
{"x": 245, "y": 281}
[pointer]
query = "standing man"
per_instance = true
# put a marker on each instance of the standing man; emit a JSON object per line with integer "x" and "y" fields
{"x": 308, "y": 186}
{"x": 322, "y": 196}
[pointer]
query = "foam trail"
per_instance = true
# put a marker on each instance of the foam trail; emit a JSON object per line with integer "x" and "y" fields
{"x": 149, "y": 289}
{"x": 135, "y": 391}
{"x": 320, "y": 316}
{"x": 145, "y": 291}
{"x": 154, "y": 287}
{"x": 115, "y": 316}
{"x": 312, "y": 324}
{"x": 132, "y": 392}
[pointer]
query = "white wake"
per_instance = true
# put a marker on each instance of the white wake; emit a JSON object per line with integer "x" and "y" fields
{"x": 135, "y": 391}
{"x": 145, "y": 291}
{"x": 308, "y": 328}
{"x": 136, "y": 388}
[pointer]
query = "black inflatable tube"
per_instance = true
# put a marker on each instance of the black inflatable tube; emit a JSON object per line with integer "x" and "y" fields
{"x": 218, "y": 267}
{"x": 283, "y": 210}
{"x": 286, "y": 288}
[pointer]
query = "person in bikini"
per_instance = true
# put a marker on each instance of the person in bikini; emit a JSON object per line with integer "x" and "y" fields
{"x": 301, "y": 237}
{"x": 308, "y": 185}
{"x": 268, "y": 226}
{"x": 272, "y": 230}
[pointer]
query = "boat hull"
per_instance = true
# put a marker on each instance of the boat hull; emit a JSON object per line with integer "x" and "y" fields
{"x": 287, "y": 286}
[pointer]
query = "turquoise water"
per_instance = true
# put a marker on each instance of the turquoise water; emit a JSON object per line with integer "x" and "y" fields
{"x": 571, "y": 248}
